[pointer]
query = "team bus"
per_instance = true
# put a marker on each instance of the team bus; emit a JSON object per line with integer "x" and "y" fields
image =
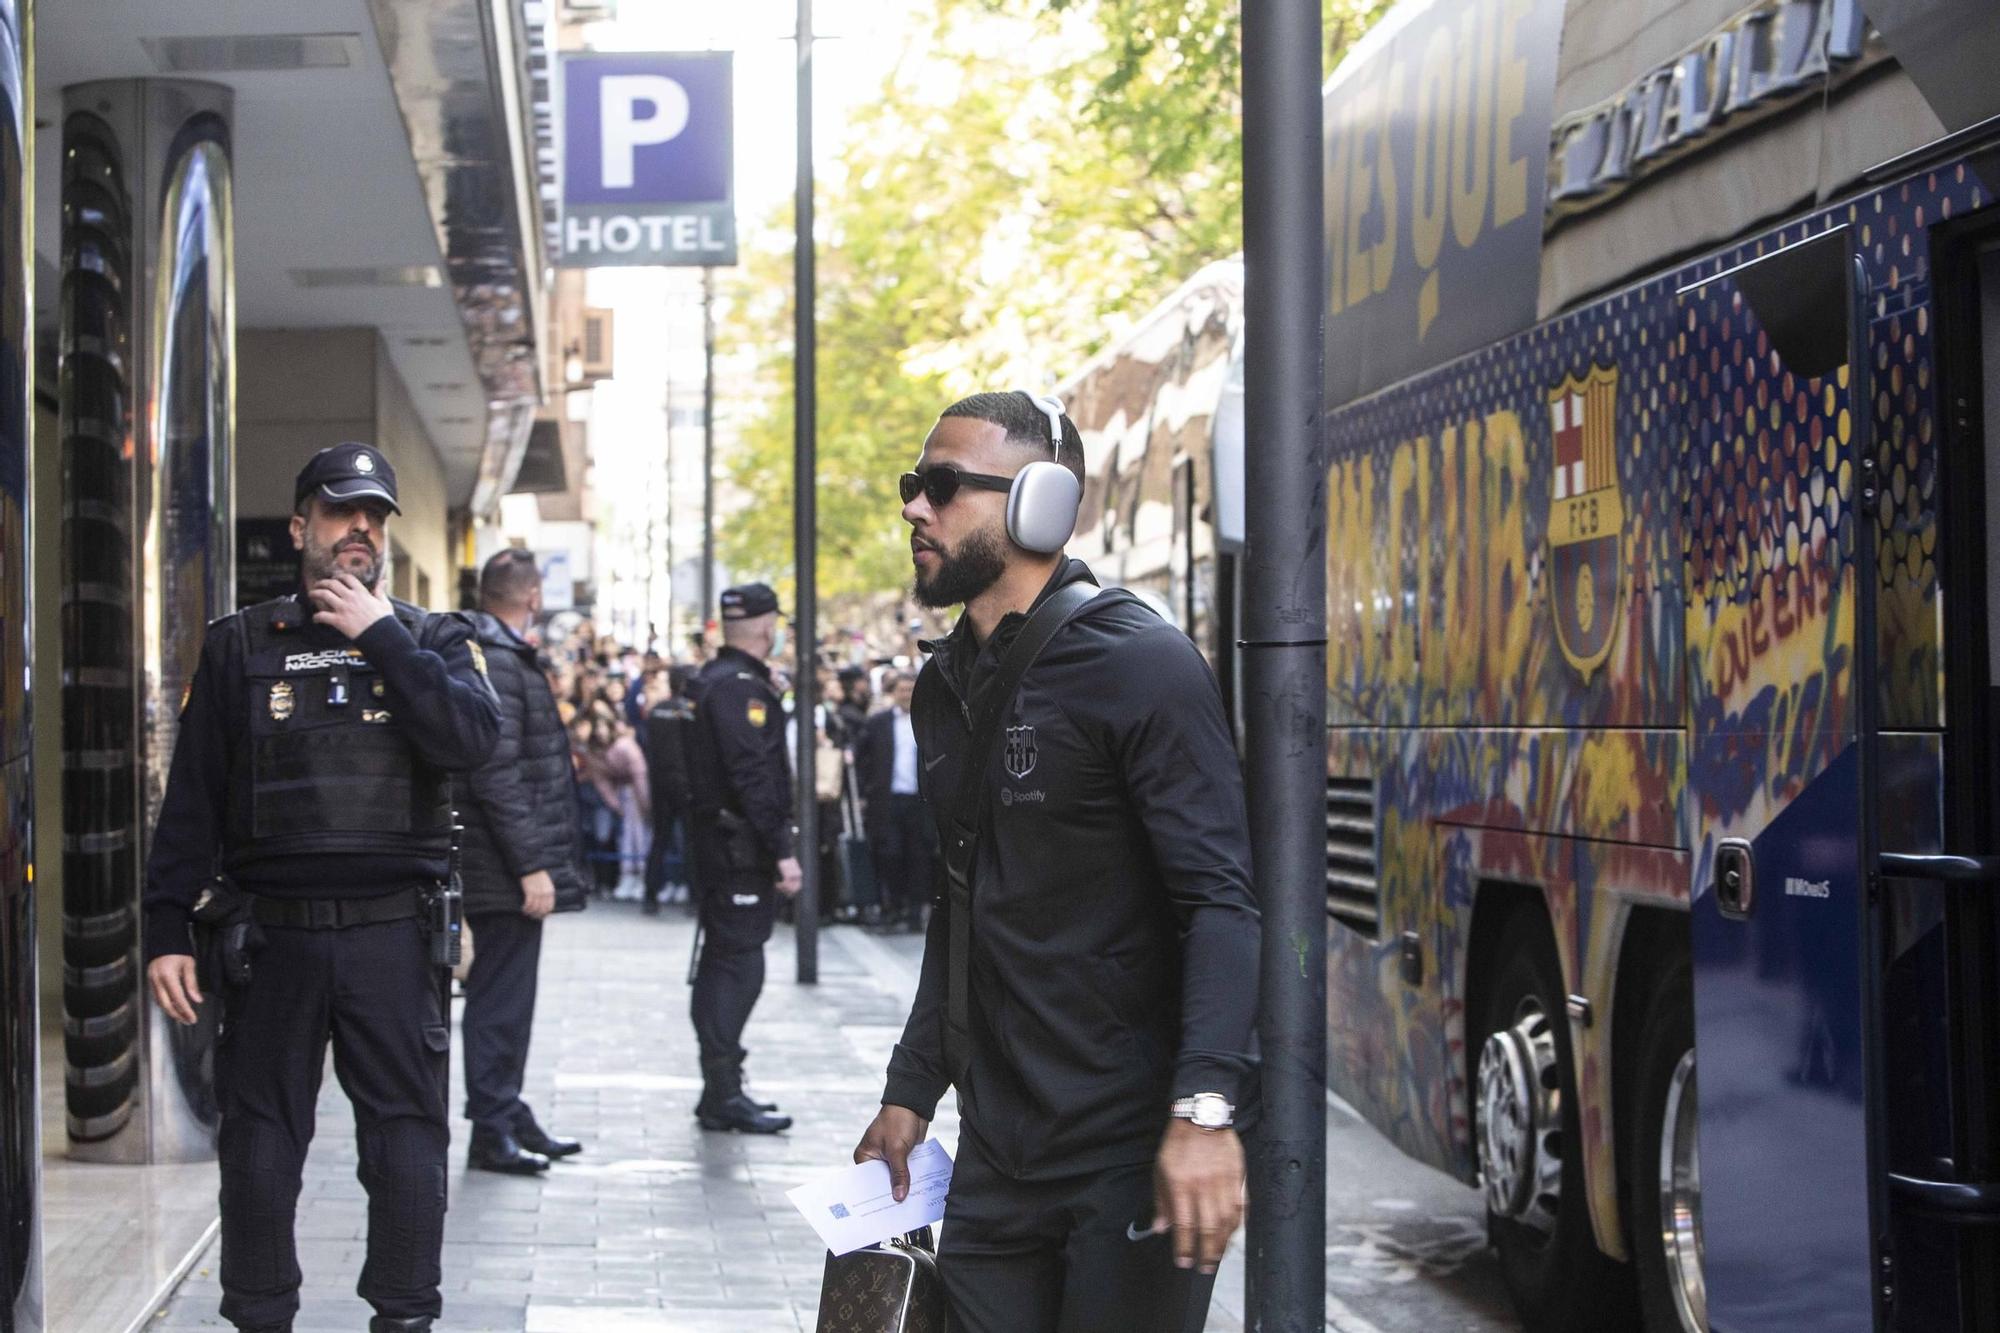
{"x": 1663, "y": 702}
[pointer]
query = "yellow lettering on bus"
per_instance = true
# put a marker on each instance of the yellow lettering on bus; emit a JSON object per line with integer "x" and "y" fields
{"x": 1431, "y": 166}
{"x": 1510, "y": 102}
{"x": 1360, "y": 191}
{"x": 1502, "y": 502}
{"x": 1472, "y": 124}
{"x": 1385, "y": 166}
{"x": 1334, "y": 205}
{"x": 1409, "y": 481}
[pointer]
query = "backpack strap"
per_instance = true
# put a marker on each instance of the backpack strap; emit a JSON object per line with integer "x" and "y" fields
{"x": 967, "y": 810}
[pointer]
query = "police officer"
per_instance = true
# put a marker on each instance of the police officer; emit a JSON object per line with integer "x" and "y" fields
{"x": 665, "y": 739}
{"x": 312, "y": 769}
{"x": 741, "y": 782}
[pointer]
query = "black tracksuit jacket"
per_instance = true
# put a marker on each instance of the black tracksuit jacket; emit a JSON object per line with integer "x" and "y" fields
{"x": 1115, "y": 938}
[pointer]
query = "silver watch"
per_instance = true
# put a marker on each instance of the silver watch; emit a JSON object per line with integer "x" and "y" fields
{"x": 1206, "y": 1110}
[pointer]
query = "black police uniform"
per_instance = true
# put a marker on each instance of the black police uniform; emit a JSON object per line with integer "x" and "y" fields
{"x": 667, "y": 723}
{"x": 312, "y": 771}
{"x": 741, "y": 779}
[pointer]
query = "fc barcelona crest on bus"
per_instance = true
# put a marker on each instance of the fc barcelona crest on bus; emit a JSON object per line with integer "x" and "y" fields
{"x": 1586, "y": 517}
{"x": 1021, "y": 753}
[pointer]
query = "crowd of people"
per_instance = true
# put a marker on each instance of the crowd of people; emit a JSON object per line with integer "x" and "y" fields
{"x": 877, "y": 845}
{"x": 361, "y": 786}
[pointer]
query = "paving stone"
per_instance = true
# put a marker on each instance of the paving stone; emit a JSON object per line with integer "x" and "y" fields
{"x": 657, "y": 1225}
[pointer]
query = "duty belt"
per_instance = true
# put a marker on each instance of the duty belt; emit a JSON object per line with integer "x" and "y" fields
{"x": 336, "y": 913}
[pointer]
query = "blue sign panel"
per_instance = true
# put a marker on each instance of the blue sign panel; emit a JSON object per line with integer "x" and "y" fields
{"x": 648, "y": 159}
{"x": 1437, "y": 146}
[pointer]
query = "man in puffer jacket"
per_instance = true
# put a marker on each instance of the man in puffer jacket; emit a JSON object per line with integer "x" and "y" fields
{"x": 520, "y": 863}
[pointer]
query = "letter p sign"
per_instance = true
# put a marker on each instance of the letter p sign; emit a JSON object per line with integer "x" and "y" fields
{"x": 635, "y": 110}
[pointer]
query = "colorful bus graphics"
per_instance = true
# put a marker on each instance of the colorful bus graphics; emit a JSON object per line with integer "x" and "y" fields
{"x": 1598, "y": 642}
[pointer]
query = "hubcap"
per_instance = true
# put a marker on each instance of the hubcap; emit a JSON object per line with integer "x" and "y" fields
{"x": 1520, "y": 1120}
{"x": 1680, "y": 1199}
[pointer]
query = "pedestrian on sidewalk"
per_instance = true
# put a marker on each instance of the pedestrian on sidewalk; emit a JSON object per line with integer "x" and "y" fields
{"x": 312, "y": 766}
{"x": 668, "y": 717}
{"x": 1089, "y": 978}
{"x": 745, "y": 848}
{"x": 522, "y": 860}
{"x": 901, "y": 833}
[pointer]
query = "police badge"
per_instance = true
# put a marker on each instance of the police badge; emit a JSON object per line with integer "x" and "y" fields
{"x": 281, "y": 701}
{"x": 1586, "y": 518}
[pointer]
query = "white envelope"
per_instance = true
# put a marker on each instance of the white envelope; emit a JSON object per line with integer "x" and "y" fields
{"x": 852, "y": 1207}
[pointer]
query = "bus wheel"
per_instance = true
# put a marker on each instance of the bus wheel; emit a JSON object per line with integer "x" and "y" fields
{"x": 1530, "y": 1149}
{"x": 1665, "y": 1165}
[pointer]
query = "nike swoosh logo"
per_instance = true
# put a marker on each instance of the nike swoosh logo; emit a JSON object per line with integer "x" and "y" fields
{"x": 930, "y": 764}
{"x": 1135, "y": 1232}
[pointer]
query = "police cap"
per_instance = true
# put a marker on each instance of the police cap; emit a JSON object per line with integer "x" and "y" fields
{"x": 748, "y": 601}
{"x": 345, "y": 473}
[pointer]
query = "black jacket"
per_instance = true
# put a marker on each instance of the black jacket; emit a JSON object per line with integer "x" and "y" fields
{"x": 519, "y": 807}
{"x": 1115, "y": 937}
{"x": 436, "y": 690}
{"x": 737, "y": 757}
{"x": 875, "y": 760}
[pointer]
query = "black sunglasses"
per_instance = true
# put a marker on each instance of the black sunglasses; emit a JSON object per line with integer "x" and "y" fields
{"x": 939, "y": 484}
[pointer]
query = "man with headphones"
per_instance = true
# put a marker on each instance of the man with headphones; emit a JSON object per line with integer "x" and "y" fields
{"x": 1089, "y": 977}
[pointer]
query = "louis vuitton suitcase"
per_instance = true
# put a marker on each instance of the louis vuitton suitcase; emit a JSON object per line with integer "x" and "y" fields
{"x": 893, "y": 1287}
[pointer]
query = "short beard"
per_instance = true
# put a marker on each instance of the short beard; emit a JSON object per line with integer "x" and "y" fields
{"x": 319, "y": 565}
{"x": 976, "y": 566}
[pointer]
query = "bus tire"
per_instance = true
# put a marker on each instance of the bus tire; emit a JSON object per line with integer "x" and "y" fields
{"x": 1531, "y": 1150}
{"x": 1664, "y": 1169}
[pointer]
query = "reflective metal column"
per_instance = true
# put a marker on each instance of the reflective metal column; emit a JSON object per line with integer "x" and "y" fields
{"x": 20, "y": 1083}
{"x": 148, "y": 419}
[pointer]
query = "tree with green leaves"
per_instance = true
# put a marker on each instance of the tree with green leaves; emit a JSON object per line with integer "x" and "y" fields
{"x": 1034, "y": 176}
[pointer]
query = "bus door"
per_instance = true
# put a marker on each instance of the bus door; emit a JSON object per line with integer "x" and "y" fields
{"x": 1778, "y": 500}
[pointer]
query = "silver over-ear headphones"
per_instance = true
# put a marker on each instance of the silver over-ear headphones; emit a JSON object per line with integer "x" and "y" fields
{"x": 1042, "y": 503}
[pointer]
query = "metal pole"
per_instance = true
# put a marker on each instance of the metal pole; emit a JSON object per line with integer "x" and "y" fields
{"x": 668, "y": 558}
{"x": 805, "y": 680}
{"x": 707, "y": 445}
{"x": 1284, "y": 658}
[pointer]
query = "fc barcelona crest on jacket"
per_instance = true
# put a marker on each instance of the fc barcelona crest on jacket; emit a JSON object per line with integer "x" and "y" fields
{"x": 1586, "y": 518}
{"x": 1020, "y": 754}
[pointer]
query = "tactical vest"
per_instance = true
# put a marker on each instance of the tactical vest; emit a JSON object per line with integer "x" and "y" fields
{"x": 328, "y": 768}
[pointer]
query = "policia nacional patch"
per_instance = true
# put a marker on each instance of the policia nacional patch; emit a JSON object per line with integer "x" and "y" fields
{"x": 281, "y": 701}
{"x": 758, "y": 712}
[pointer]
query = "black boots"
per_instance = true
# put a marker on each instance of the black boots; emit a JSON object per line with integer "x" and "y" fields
{"x": 724, "y": 1107}
{"x": 384, "y": 1324}
{"x": 503, "y": 1153}
{"x": 536, "y": 1139}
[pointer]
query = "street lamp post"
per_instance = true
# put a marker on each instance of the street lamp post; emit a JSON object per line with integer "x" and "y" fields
{"x": 805, "y": 679}
{"x": 1284, "y": 653}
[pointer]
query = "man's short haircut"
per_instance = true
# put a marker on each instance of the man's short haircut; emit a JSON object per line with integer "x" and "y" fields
{"x": 1026, "y": 425}
{"x": 508, "y": 577}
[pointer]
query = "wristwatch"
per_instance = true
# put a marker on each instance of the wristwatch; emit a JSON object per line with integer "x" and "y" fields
{"x": 1205, "y": 1110}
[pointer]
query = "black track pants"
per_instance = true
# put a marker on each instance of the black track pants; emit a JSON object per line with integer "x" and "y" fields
{"x": 499, "y": 1018}
{"x": 371, "y": 991}
{"x": 1060, "y": 1256}
{"x": 737, "y": 911}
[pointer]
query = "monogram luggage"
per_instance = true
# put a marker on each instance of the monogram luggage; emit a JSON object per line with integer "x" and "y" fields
{"x": 893, "y": 1287}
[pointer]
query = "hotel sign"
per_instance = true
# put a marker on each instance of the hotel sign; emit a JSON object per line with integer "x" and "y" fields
{"x": 648, "y": 167}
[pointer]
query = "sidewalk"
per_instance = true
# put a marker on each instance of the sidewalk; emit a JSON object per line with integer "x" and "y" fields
{"x": 656, "y": 1226}
{"x": 660, "y": 1228}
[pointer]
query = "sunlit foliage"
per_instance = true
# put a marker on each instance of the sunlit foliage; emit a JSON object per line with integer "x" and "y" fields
{"x": 1034, "y": 175}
